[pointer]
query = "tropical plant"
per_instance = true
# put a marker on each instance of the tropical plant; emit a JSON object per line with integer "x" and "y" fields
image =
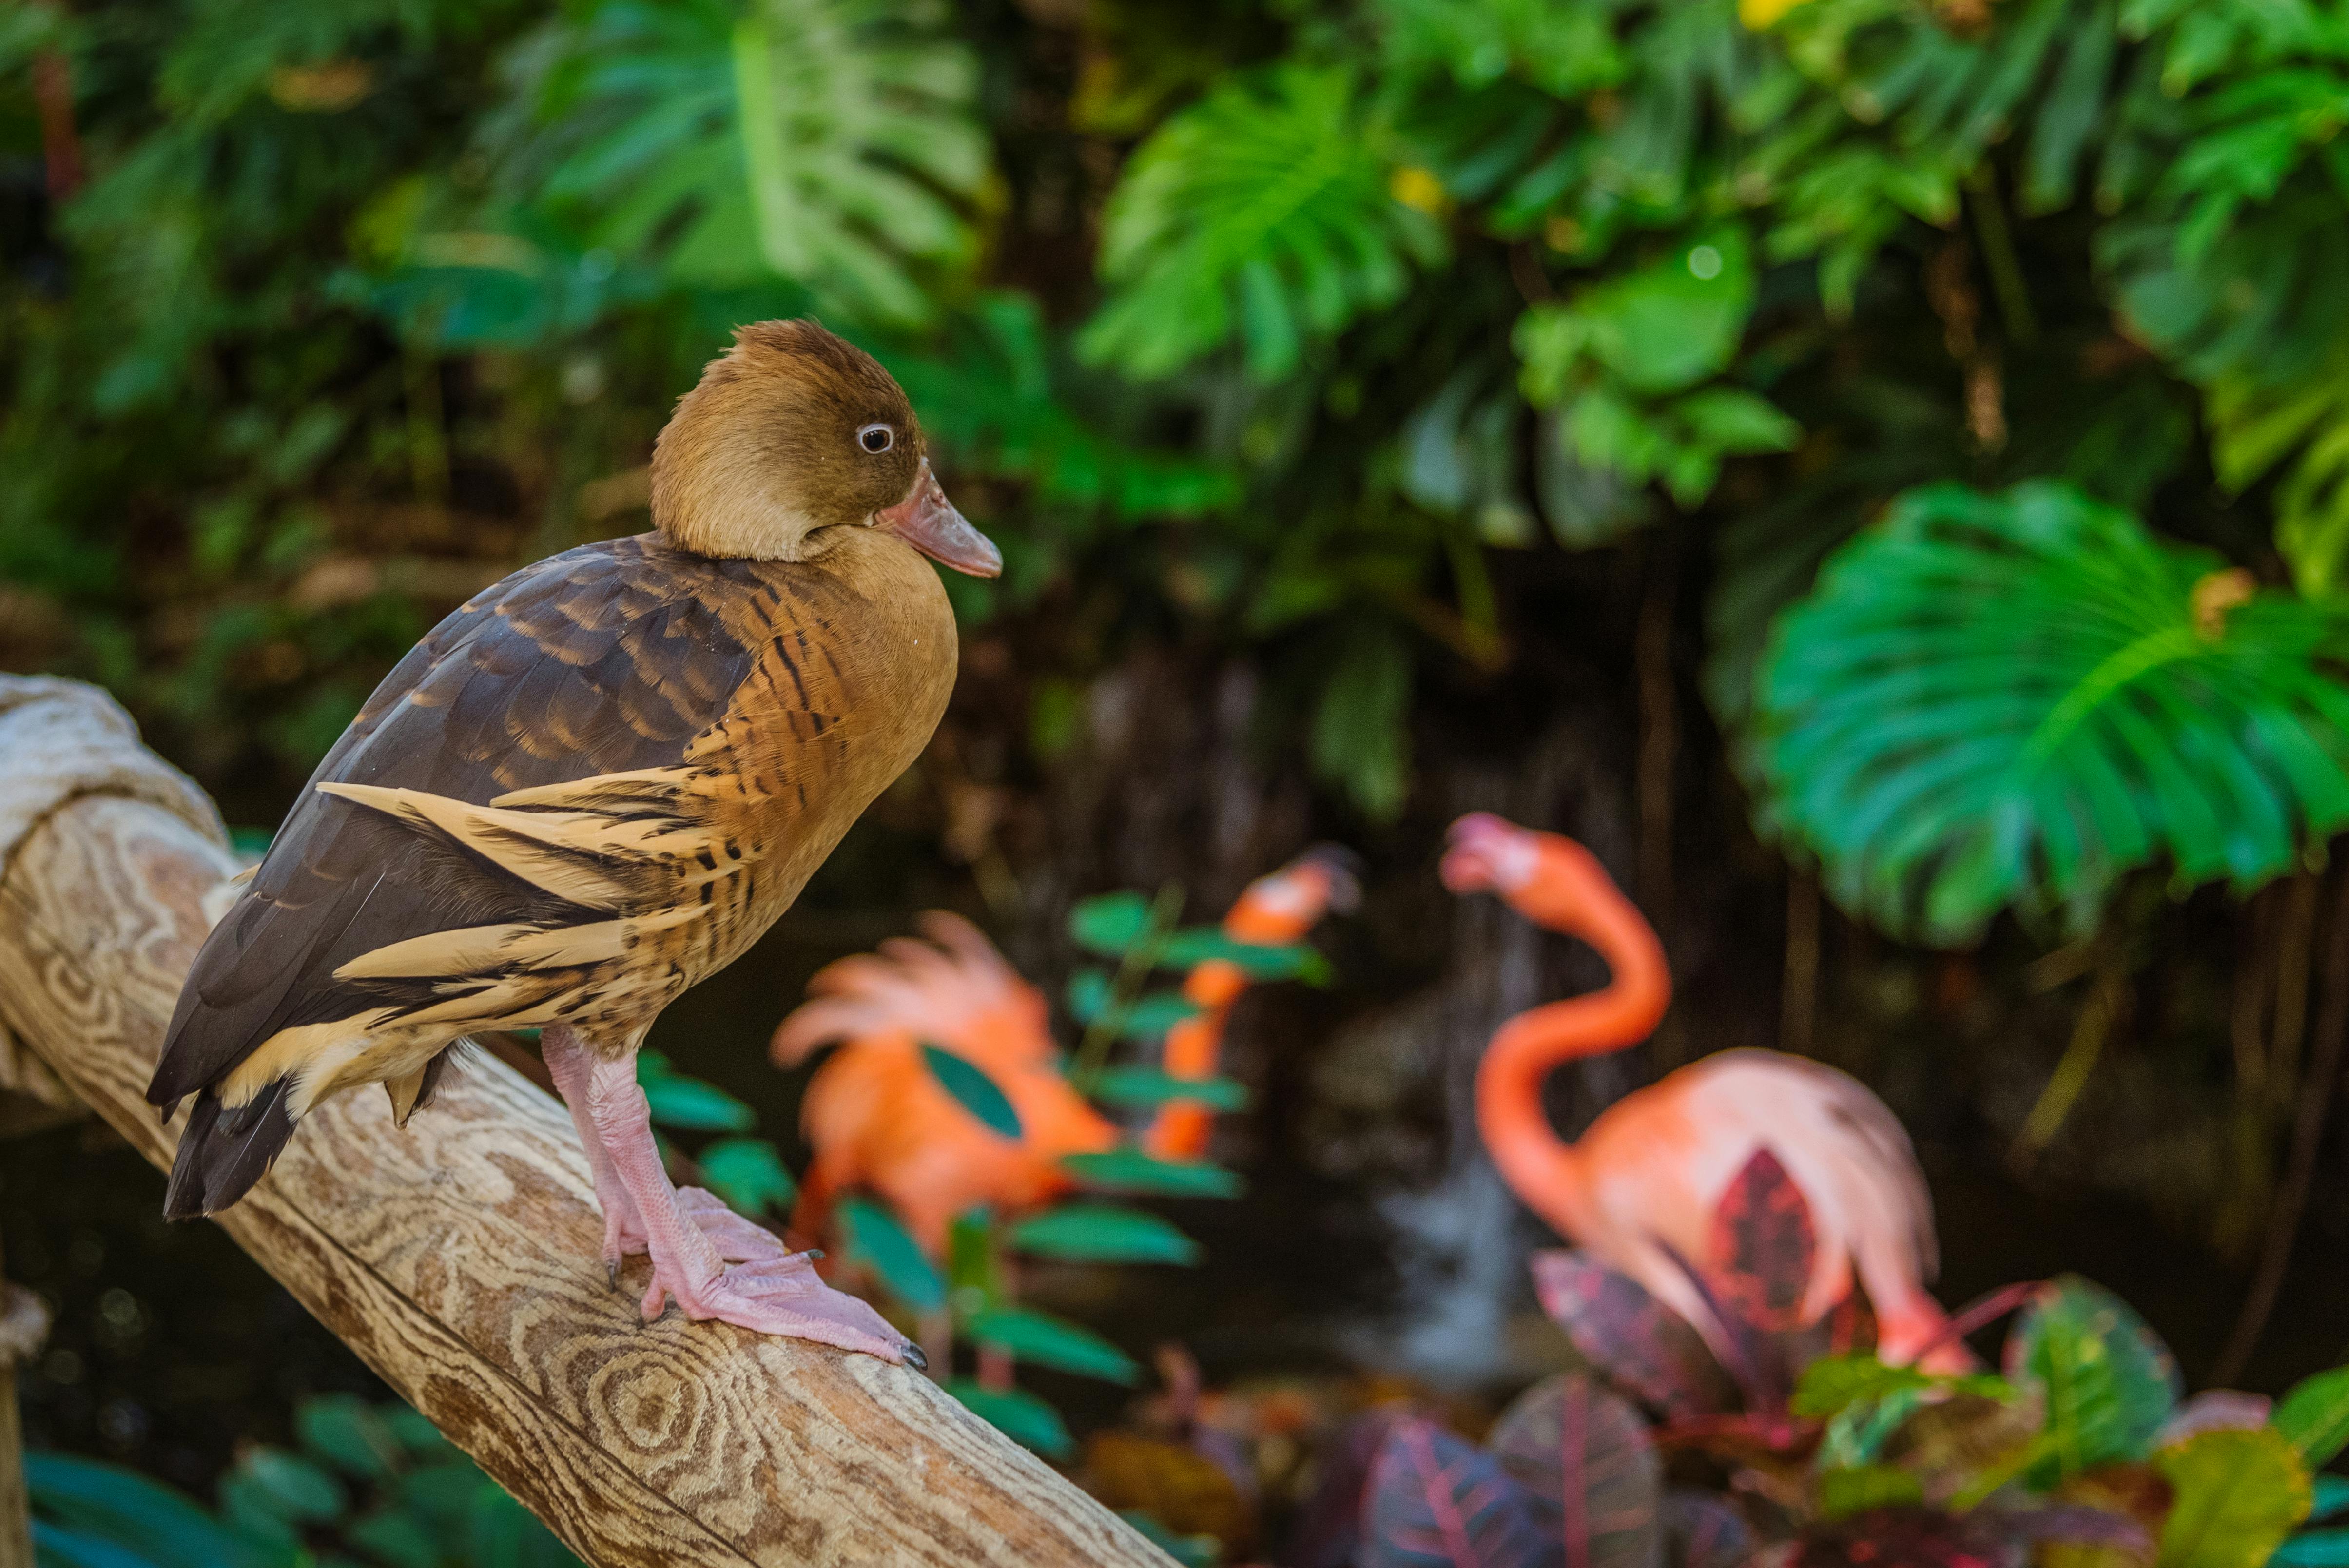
{"x": 978, "y": 1285}
{"x": 372, "y": 1483}
{"x": 1995, "y": 701}
{"x": 1806, "y": 1449}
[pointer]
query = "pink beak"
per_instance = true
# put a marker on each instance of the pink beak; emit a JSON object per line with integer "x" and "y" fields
{"x": 928, "y": 521}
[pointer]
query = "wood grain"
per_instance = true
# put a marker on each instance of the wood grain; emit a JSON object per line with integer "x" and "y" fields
{"x": 458, "y": 1259}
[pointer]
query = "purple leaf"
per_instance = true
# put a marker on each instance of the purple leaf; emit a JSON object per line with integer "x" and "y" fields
{"x": 1585, "y": 1455}
{"x": 1903, "y": 1538}
{"x": 1628, "y": 1337}
{"x": 1329, "y": 1529}
{"x": 1436, "y": 1501}
{"x": 1701, "y": 1530}
{"x": 2072, "y": 1523}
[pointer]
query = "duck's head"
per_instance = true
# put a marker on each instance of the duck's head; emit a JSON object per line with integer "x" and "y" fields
{"x": 792, "y": 436}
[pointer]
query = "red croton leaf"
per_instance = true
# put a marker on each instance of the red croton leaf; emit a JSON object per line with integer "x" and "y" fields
{"x": 1900, "y": 1538}
{"x": 1759, "y": 1257}
{"x": 1647, "y": 1351}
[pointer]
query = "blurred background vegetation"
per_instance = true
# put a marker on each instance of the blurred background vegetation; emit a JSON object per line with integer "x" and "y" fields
{"x": 1873, "y": 468}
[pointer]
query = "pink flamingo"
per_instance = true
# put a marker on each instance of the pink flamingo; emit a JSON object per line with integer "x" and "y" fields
{"x": 879, "y": 1119}
{"x": 1639, "y": 1190}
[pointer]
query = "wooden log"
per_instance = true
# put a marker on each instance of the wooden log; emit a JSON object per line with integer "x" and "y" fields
{"x": 459, "y": 1259}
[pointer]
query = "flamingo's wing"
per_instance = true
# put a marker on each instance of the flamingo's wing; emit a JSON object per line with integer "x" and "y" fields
{"x": 954, "y": 989}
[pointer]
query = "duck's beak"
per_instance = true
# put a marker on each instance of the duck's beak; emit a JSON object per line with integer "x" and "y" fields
{"x": 928, "y": 521}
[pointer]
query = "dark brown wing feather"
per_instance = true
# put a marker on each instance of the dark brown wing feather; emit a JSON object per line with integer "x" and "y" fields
{"x": 603, "y": 659}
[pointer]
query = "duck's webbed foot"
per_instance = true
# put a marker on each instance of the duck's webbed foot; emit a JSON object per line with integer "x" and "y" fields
{"x": 692, "y": 1237}
{"x": 780, "y": 1295}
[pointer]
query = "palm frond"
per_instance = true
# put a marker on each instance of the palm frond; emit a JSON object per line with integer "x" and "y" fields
{"x": 1263, "y": 214}
{"x": 826, "y": 141}
{"x": 2009, "y": 701}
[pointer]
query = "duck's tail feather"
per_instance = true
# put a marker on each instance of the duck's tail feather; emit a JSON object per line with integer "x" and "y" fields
{"x": 225, "y": 1149}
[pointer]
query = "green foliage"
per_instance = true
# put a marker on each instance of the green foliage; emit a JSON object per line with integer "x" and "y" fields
{"x": 1834, "y": 1384}
{"x": 1103, "y": 1233}
{"x": 824, "y": 140}
{"x": 2235, "y": 1495}
{"x": 1897, "y": 1464}
{"x": 2106, "y": 1380}
{"x": 877, "y": 1238}
{"x": 1995, "y": 701}
{"x": 1127, "y": 1087}
{"x": 1262, "y": 213}
{"x": 1623, "y": 362}
{"x": 1019, "y": 1415}
{"x": 972, "y": 1089}
{"x": 2319, "y": 1548}
{"x": 688, "y": 1104}
{"x": 748, "y": 1173}
{"x": 1130, "y": 1171}
{"x": 379, "y": 1481}
{"x": 1049, "y": 1341}
{"x": 2314, "y": 1417}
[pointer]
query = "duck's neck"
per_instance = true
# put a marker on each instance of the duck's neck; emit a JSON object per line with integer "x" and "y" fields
{"x": 1543, "y": 1169}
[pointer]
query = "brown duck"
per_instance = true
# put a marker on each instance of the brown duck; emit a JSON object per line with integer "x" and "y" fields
{"x": 597, "y": 783}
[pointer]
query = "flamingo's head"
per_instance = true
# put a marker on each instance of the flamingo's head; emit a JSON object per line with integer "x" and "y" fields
{"x": 1488, "y": 854}
{"x": 1485, "y": 854}
{"x": 1282, "y": 905}
{"x": 1330, "y": 875}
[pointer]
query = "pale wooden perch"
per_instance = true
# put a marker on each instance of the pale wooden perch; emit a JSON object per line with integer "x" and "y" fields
{"x": 459, "y": 1258}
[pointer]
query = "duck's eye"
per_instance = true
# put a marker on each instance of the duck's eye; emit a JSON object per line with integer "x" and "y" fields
{"x": 877, "y": 437}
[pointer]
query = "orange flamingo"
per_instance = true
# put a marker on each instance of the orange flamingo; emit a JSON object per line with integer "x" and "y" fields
{"x": 879, "y": 1119}
{"x": 1643, "y": 1184}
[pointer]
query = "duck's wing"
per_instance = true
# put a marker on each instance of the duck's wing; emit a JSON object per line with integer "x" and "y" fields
{"x": 483, "y": 816}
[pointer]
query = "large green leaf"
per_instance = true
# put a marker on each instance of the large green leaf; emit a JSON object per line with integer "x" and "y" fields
{"x": 2236, "y": 1493}
{"x": 748, "y": 1173}
{"x": 1110, "y": 922}
{"x": 1053, "y": 1342}
{"x": 1019, "y": 1415}
{"x": 347, "y": 1433}
{"x": 822, "y": 140}
{"x": 1103, "y": 1232}
{"x": 2314, "y": 1416}
{"x": 875, "y": 1237}
{"x": 1257, "y": 960}
{"x": 1151, "y": 1086}
{"x": 1261, "y": 214}
{"x": 1130, "y": 1171}
{"x": 1995, "y": 701}
{"x": 114, "y": 1505}
{"x": 689, "y": 1103}
{"x": 972, "y": 1089}
{"x": 2106, "y": 1380}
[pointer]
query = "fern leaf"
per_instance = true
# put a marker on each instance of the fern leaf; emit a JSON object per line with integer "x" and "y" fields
{"x": 1261, "y": 214}
{"x": 826, "y": 141}
{"x": 2009, "y": 701}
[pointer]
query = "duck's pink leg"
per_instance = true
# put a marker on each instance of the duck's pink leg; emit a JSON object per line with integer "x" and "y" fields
{"x": 770, "y": 1290}
{"x": 570, "y": 1063}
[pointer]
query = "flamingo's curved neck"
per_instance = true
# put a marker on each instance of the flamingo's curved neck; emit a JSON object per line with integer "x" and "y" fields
{"x": 1543, "y": 1169}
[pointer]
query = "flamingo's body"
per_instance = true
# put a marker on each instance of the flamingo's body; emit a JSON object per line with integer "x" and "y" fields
{"x": 1639, "y": 1190}
{"x": 879, "y": 1119}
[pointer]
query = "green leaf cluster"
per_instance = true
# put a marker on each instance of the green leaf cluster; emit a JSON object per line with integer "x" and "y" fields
{"x": 366, "y": 1484}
